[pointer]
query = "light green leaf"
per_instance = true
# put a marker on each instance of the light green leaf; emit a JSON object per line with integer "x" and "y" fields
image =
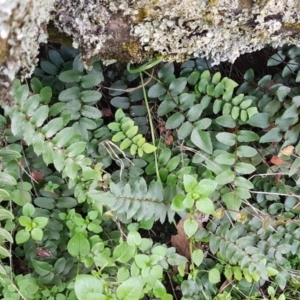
{"x": 22, "y": 236}
{"x": 78, "y": 245}
{"x": 4, "y": 234}
{"x": 4, "y": 195}
{"x": 92, "y": 79}
{"x": 260, "y": 120}
{"x": 249, "y": 75}
{"x": 87, "y": 284}
{"x": 70, "y": 169}
{"x": 206, "y": 206}
{"x": 48, "y": 153}
{"x": 6, "y": 179}
{"x": 226, "y": 121}
{"x": 232, "y": 201}
{"x": 37, "y": 234}
{"x": 226, "y": 159}
{"x": 205, "y": 187}
{"x": 63, "y": 137}
{"x": 296, "y": 99}
{"x": 40, "y": 116}
{"x": 90, "y": 96}
{"x": 294, "y": 167}
{"x": 177, "y": 86}
{"x": 189, "y": 182}
{"x": 124, "y": 252}
{"x": 166, "y": 70}
{"x": 190, "y": 227}
{"x": 56, "y": 109}
{"x": 41, "y": 222}
{"x": 214, "y": 275}
{"x": 202, "y": 140}
{"x": 46, "y": 94}
{"x": 247, "y": 136}
{"x": 194, "y": 112}
{"x": 66, "y": 202}
{"x": 159, "y": 290}
{"x": 271, "y": 271}
{"x": 59, "y": 160}
{"x": 21, "y": 197}
{"x": 69, "y": 94}
{"x": 185, "y": 130}
{"x": 177, "y": 260}
{"x": 177, "y": 203}
{"x": 41, "y": 267}
{"x": 282, "y": 92}
{"x": 17, "y": 123}
{"x": 120, "y": 102}
{"x": 242, "y": 182}
{"x": 290, "y": 112}
{"x": 70, "y": 76}
{"x": 76, "y": 149}
{"x": 35, "y": 85}
{"x": 165, "y": 107}
{"x": 197, "y": 257}
{"x": 273, "y": 135}
{"x": 226, "y": 138}
{"x": 244, "y": 168}
{"x": 44, "y": 202}
{"x": 8, "y": 155}
{"x": 186, "y": 101}
{"x": 5, "y": 214}
{"x": 91, "y": 112}
{"x": 131, "y": 289}
{"x": 25, "y": 221}
{"x": 203, "y": 124}
{"x": 21, "y": 94}
{"x": 28, "y": 210}
{"x": 5, "y": 253}
{"x": 156, "y": 90}
{"x": 53, "y": 127}
{"x": 246, "y": 151}
{"x": 175, "y": 120}
{"x": 193, "y": 77}
{"x": 148, "y": 148}
{"x": 142, "y": 260}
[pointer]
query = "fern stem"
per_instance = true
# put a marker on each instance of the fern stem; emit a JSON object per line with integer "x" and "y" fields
{"x": 151, "y": 126}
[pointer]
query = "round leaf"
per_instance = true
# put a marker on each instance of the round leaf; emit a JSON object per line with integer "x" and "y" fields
{"x": 177, "y": 86}
{"x": 206, "y": 206}
{"x": 78, "y": 245}
{"x": 85, "y": 284}
{"x": 175, "y": 121}
{"x": 197, "y": 257}
{"x": 214, "y": 276}
{"x": 190, "y": 227}
{"x": 202, "y": 140}
{"x": 131, "y": 289}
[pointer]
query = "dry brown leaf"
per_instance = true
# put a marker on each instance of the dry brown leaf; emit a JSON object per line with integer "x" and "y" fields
{"x": 106, "y": 112}
{"x": 287, "y": 150}
{"x": 37, "y": 176}
{"x": 180, "y": 241}
{"x": 275, "y": 160}
{"x": 169, "y": 139}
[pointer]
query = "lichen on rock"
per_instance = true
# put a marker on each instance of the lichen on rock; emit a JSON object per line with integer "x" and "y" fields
{"x": 22, "y": 29}
{"x": 177, "y": 29}
{"x": 136, "y": 30}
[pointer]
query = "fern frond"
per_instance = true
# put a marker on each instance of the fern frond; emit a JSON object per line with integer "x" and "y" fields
{"x": 137, "y": 200}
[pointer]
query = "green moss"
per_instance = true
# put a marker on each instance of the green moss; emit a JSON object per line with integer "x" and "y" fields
{"x": 56, "y": 36}
{"x": 293, "y": 27}
{"x": 4, "y": 51}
